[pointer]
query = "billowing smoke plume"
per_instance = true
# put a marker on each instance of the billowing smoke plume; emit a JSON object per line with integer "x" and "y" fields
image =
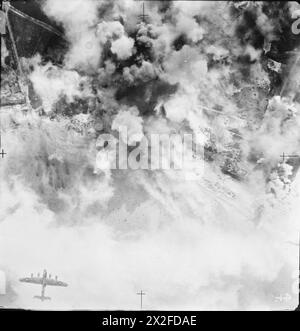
{"x": 218, "y": 242}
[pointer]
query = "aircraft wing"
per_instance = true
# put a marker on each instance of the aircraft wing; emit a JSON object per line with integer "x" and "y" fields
{"x": 54, "y": 282}
{"x": 32, "y": 280}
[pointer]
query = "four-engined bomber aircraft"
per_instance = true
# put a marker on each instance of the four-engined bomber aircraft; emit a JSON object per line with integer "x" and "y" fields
{"x": 44, "y": 281}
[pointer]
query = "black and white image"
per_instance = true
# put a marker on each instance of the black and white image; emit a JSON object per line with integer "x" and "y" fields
{"x": 149, "y": 155}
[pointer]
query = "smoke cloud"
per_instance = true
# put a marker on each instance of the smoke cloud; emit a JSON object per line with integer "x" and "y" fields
{"x": 218, "y": 242}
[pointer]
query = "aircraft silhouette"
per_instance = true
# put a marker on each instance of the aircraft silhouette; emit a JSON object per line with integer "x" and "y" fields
{"x": 44, "y": 281}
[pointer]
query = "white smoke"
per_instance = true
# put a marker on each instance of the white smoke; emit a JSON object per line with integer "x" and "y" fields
{"x": 78, "y": 19}
{"x": 2, "y": 283}
{"x": 51, "y": 83}
{"x": 214, "y": 243}
{"x": 132, "y": 123}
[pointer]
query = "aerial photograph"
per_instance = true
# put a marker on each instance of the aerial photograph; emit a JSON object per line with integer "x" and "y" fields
{"x": 149, "y": 155}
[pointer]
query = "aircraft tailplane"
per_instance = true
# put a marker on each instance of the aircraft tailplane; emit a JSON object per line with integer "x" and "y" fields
{"x": 41, "y": 297}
